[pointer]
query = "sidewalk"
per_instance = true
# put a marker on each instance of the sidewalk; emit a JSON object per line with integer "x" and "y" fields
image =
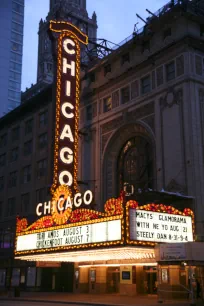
{"x": 96, "y": 299}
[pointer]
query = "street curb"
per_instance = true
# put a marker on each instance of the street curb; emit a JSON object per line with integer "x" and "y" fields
{"x": 60, "y": 302}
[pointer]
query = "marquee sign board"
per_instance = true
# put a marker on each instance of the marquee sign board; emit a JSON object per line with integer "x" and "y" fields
{"x": 70, "y": 236}
{"x": 67, "y": 104}
{"x": 156, "y": 223}
{"x": 160, "y": 227}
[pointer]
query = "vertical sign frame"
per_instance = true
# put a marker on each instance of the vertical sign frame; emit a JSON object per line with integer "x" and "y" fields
{"x": 67, "y": 105}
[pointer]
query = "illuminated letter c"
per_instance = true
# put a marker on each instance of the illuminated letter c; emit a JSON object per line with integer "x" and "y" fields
{"x": 67, "y": 42}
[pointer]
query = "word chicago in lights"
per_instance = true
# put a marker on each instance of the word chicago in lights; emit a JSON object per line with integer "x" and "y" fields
{"x": 67, "y": 104}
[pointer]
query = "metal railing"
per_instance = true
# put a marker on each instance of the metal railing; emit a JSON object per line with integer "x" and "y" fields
{"x": 166, "y": 8}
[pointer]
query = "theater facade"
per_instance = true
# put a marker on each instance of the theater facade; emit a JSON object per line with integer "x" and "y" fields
{"x": 72, "y": 246}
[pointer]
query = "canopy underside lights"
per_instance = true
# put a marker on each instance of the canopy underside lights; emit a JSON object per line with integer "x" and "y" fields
{"x": 130, "y": 253}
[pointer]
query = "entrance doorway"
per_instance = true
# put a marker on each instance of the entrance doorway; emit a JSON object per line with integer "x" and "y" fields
{"x": 113, "y": 279}
{"x": 151, "y": 280}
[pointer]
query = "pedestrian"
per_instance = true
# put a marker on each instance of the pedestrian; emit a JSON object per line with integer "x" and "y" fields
{"x": 197, "y": 288}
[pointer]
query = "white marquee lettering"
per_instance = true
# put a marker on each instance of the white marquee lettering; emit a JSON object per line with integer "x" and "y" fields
{"x": 66, "y": 159}
{"x": 68, "y": 88}
{"x": 77, "y": 199}
{"x": 64, "y": 112}
{"x": 47, "y": 208}
{"x": 38, "y": 212}
{"x": 88, "y": 197}
{"x": 70, "y": 66}
{"x": 68, "y": 203}
{"x": 60, "y": 207}
{"x": 67, "y": 132}
{"x": 68, "y": 175}
{"x": 65, "y": 45}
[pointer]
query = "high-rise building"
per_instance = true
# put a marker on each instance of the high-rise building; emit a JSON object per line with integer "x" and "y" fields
{"x": 11, "y": 50}
{"x": 73, "y": 11}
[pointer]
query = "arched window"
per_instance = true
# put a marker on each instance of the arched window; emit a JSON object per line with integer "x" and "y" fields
{"x": 135, "y": 165}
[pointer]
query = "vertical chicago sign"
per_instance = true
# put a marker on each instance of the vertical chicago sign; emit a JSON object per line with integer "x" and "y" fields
{"x": 67, "y": 108}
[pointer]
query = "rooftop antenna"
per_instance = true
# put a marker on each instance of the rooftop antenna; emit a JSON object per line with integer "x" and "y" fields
{"x": 148, "y": 11}
{"x": 138, "y": 16}
{"x": 135, "y": 31}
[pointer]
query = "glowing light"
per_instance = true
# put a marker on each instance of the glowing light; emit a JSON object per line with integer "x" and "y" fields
{"x": 129, "y": 253}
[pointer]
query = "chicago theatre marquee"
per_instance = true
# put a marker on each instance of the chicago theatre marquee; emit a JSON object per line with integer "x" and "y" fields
{"x": 111, "y": 250}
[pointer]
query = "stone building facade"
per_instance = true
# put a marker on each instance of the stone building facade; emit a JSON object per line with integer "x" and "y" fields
{"x": 142, "y": 111}
{"x": 141, "y": 128}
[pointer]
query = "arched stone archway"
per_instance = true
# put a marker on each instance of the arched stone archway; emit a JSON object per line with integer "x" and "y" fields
{"x": 112, "y": 151}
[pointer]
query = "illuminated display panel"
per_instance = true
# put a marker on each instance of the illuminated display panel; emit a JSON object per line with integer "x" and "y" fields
{"x": 78, "y": 235}
{"x": 159, "y": 227}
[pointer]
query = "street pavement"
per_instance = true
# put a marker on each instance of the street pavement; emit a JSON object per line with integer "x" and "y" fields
{"x": 19, "y": 303}
{"x": 59, "y": 299}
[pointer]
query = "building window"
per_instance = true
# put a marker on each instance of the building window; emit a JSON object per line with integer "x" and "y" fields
{"x": 170, "y": 71}
{"x": 1, "y": 217}
{"x": 15, "y": 133}
{"x": 2, "y": 160}
{"x": 16, "y": 47}
{"x": 6, "y": 238}
{"x": 94, "y": 109}
{"x": 1, "y": 183}
{"x": 135, "y": 165}
{"x": 89, "y": 115}
{"x": 15, "y": 66}
{"x": 146, "y": 85}
{"x": 198, "y": 64}
{"x": 28, "y": 146}
{"x": 115, "y": 99}
{"x": 167, "y": 33}
{"x": 42, "y": 141}
{"x": 16, "y": 57}
{"x": 17, "y": 27}
{"x": 41, "y": 168}
{"x": 17, "y": 18}
{"x": 28, "y": 126}
{"x": 25, "y": 198}
{"x": 40, "y": 195}
{"x": 11, "y": 207}
{"x": 15, "y": 76}
{"x": 3, "y": 140}
{"x": 160, "y": 76}
{"x": 134, "y": 89}
{"x": 14, "y": 94}
{"x": 180, "y": 65}
{"x": 107, "y": 69}
{"x": 14, "y": 155}
{"x": 26, "y": 174}
{"x": 14, "y": 85}
{"x": 12, "y": 179}
{"x": 202, "y": 30}
{"x": 125, "y": 58}
{"x": 43, "y": 118}
{"x": 146, "y": 45}
{"x": 107, "y": 104}
{"x": 17, "y": 8}
{"x": 17, "y": 37}
{"x": 125, "y": 95}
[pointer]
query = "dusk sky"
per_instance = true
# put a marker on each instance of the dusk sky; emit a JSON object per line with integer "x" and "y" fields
{"x": 116, "y": 19}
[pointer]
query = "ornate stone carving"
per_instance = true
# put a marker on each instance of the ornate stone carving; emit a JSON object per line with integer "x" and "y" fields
{"x": 171, "y": 97}
{"x": 105, "y": 139}
{"x": 173, "y": 186}
{"x": 140, "y": 112}
{"x": 111, "y": 125}
{"x": 150, "y": 122}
